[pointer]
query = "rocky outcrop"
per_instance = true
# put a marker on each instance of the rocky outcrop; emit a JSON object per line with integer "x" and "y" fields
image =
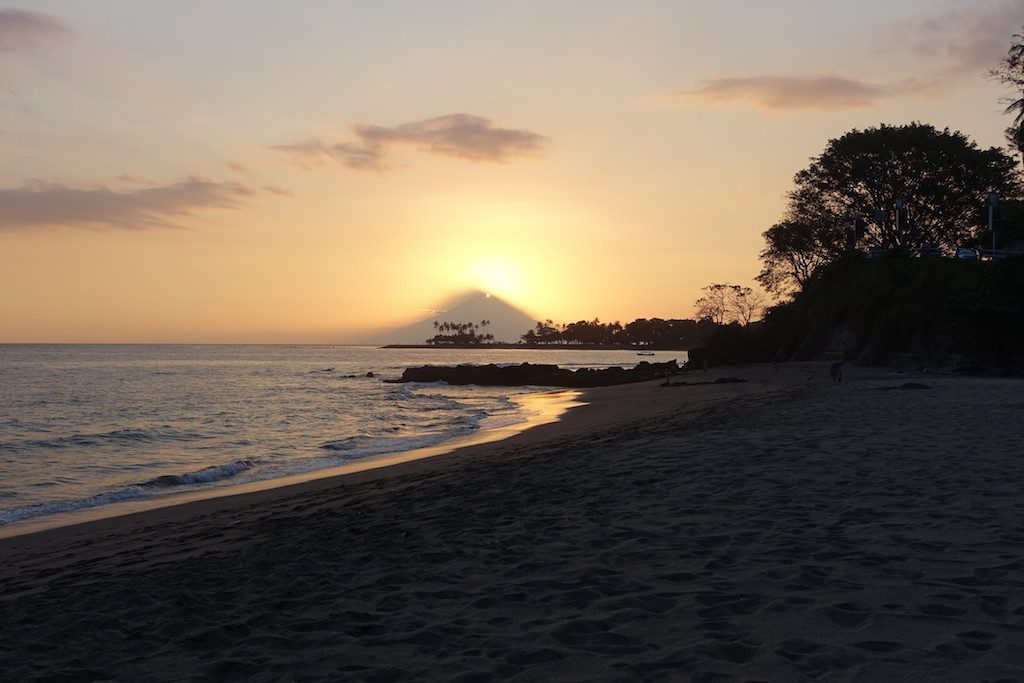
{"x": 537, "y": 375}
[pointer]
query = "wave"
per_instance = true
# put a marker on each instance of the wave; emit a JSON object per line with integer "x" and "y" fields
{"x": 203, "y": 476}
{"x": 130, "y": 436}
{"x": 135, "y": 491}
{"x": 343, "y": 445}
{"x": 113, "y": 465}
{"x": 354, "y": 448}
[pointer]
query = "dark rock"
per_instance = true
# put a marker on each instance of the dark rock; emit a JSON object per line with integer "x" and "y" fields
{"x": 537, "y": 375}
{"x": 370, "y": 374}
{"x": 720, "y": 380}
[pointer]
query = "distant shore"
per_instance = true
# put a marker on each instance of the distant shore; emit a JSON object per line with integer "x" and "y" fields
{"x": 783, "y": 528}
{"x": 534, "y": 347}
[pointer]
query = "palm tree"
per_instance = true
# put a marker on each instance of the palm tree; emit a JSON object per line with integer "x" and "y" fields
{"x": 1015, "y": 136}
{"x": 1010, "y": 71}
{"x": 485, "y": 324}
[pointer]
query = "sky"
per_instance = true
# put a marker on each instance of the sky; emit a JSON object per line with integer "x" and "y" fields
{"x": 259, "y": 171}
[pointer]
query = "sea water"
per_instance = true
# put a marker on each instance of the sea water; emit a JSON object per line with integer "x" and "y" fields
{"x": 83, "y": 426}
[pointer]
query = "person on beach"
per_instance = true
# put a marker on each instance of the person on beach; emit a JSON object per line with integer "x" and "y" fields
{"x": 837, "y": 373}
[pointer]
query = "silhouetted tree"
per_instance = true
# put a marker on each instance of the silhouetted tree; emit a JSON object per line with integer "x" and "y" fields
{"x": 458, "y": 333}
{"x": 656, "y": 333}
{"x": 714, "y": 304}
{"x": 724, "y": 303}
{"x": 1015, "y": 139}
{"x": 1010, "y": 72}
{"x": 747, "y": 305}
{"x": 544, "y": 333}
{"x": 943, "y": 177}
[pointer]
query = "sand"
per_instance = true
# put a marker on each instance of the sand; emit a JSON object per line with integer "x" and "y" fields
{"x": 780, "y": 529}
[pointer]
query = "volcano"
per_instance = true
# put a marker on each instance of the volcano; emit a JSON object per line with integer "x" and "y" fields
{"x": 507, "y": 322}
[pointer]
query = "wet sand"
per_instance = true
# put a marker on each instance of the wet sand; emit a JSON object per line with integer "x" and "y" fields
{"x": 780, "y": 529}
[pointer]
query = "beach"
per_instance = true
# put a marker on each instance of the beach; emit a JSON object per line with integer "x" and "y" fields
{"x": 782, "y": 528}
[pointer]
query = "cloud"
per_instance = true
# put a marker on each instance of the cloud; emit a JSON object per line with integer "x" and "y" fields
{"x": 37, "y": 205}
{"x": 777, "y": 93}
{"x": 22, "y": 30}
{"x": 966, "y": 42}
{"x": 313, "y": 153}
{"x": 458, "y": 136}
{"x": 955, "y": 46}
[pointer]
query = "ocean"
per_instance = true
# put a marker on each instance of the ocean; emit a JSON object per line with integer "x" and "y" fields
{"x": 85, "y": 426}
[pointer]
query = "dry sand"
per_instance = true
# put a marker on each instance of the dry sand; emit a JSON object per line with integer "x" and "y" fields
{"x": 781, "y": 529}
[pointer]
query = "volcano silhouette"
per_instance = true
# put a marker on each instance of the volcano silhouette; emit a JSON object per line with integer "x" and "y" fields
{"x": 507, "y": 323}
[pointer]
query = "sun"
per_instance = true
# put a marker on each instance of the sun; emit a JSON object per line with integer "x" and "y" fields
{"x": 499, "y": 277}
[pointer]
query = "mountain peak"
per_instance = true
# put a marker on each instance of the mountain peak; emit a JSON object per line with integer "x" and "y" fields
{"x": 506, "y": 322}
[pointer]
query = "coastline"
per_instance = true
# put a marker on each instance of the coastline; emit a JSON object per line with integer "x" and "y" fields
{"x": 540, "y": 408}
{"x": 522, "y": 346}
{"x": 574, "y": 413}
{"x": 783, "y": 528}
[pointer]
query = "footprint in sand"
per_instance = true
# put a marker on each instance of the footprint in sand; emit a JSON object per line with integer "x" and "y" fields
{"x": 847, "y": 614}
{"x": 796, "y": 649}
{"x": 935, "y": 610}
{"x": 879, "y": 645}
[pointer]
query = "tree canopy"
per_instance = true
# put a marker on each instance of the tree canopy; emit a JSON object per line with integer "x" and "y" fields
{"x": 642, "y": 332}
{"x": 897, "y": 187}
{"x": 460, "y": 333}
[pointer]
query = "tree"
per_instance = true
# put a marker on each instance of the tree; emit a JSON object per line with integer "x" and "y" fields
{"x": 793, "y": 252}
{"x": 1015, "y": 138}
{"x": 714, "y": 304}
{"x": 747, "y": 305}
{"x": 544, "y": 333}
{"x": 458, "y": 333}
{"x": 1010, "y": 72}
{"x": 724, "y": 303}
{"x": 939, "y": 178}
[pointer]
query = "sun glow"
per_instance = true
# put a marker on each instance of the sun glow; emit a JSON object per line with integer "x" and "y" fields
{"x": 499, "y": 277}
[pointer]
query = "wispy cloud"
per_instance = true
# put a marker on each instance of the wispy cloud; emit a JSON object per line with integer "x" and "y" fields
{"x": 965, "y": 42}
{"x": 459, "y": 136}
{"x": 22, "y": 29}
{"x": 953, "y": 47}
{"x": 312, "y": 153}
{"x": 777, "y": 93}
{"x": 38, "y": 205}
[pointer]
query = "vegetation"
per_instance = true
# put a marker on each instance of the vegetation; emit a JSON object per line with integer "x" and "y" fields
{"x": 654, "y": 333}
{"x": 896, "y": 187}
{"x": 725, "y": 304}
{"x": 909, "y": 190}
{"x": 1010, "y": 72}
{"x": 450, "y": 333}
{"x": 874, "y": 310}
{"x": 901, "y": 188}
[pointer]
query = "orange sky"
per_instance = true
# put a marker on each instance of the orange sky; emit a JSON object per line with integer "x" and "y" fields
{"x": 255, "y": 171}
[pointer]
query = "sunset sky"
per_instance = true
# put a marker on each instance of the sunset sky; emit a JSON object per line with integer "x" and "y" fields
{"x": 264, "y": 171}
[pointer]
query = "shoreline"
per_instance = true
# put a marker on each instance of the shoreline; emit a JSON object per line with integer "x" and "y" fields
{"x": 540, "y": 408}
{"x": 581, "y": 411}
{"x": 505, "y": 346}
{"x": 785, "y": 528}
